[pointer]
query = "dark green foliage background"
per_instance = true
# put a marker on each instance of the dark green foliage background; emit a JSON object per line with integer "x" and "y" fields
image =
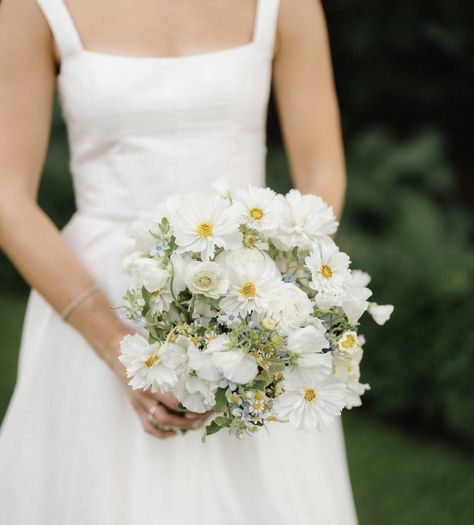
{"x": 404, "y": 78}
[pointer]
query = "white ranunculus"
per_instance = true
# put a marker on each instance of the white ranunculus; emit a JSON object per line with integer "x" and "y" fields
{"x": 259, "y": 208}
{"x": 254, "y": 282}
{"x": 208, "y": 279}
{"x": 330, "y": 271}
{"x": 292, "y": 308}
{"x": 309, "y": 402}
{"x": 305, "y": 219}
{"x": 380, "y": 312}
{"x": 308, "y": 343}
{"x": 151, "y": 365}
{"x": 201, "y": 222}
{"x": 348, "y": 342}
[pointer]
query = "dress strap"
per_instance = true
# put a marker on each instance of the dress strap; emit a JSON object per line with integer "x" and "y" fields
{"x": 62, "y": 26}
{"x": 266, "y": 24}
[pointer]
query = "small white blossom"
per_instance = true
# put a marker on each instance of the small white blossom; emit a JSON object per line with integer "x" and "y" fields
{"x": 380, "y": 312}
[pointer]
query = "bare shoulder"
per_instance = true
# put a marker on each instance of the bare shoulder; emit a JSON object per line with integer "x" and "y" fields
{"x": 24, "y": 31}
{"x": 299, "y": 23}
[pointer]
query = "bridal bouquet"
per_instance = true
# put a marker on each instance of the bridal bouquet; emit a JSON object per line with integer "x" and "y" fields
{"x": 249, "y": 309}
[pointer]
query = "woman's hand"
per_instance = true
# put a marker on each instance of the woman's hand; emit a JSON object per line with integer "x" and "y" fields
{"x": 154, "y": 410}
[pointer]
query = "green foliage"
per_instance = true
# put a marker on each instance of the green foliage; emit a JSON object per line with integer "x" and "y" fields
{"x": 402, "y": 225}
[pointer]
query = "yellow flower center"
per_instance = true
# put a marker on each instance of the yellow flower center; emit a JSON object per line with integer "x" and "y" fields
{"x": 248, "y": 290}
{"x": 204, "y": 229}
{"x": 349, "y": 368}
{"x": 256, "y": 213}
{"x": 234, "y": 399}
{"x": 256, "y": 405}
{"x": 195, "y": 340}
{"x": 205, "y": 281}
{"x": 309, "y": 394}
{"x": 349, "y": 341}
{"x": 259, "y": 396}
{"x": 271, "y": 418}
{"x": 151, "y": 360}
{"x": 250, "y": 240}
{"x": 326, "y": 271}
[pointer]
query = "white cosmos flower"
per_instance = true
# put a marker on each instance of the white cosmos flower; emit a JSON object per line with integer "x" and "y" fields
{"x": 254, "y": 282}
{"x": 202, "y": 362}
{"x": 207, "y": 278}
{"x": 329, "y": 270}
{"x": 355, "y": 391}
{"x": 198, "y": 382}
{"x": 305, "y": 219}
{"x": 201, "y": 222}
{"x": 260, "y": 208}
{"x": 308, "y": 343}
{"x": 380, "y": 312}
{"x": 356, "y": 293}
{"x": 151, "y": 365}
{"x": 292, "y": 308}
{"x": 235, "y": 364}
{"x": 147, "y": 273}
{"x": 195, "y": 393}
{"x": 309, "y": 402}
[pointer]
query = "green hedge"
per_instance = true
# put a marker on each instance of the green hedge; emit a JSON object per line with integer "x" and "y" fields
{"x": 403, "y": 226}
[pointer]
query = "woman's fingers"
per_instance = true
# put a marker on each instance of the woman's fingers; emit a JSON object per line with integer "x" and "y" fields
{"x": 171, "y": 402}
{"x": 165, "y": 418}
{"x": 149, "y": 428}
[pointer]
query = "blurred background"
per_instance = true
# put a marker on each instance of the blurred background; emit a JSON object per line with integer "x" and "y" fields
{"x": 404, "y": 75}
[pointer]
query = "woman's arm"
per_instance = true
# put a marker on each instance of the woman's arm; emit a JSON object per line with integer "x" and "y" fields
{"x": 307, "y": 103}
{"x": 27, "y": 235}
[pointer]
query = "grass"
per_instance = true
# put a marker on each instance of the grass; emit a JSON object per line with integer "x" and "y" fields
{"x": 398, "y": 478}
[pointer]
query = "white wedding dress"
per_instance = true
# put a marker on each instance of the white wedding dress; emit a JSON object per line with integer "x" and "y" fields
{"x": 72, "y": 450}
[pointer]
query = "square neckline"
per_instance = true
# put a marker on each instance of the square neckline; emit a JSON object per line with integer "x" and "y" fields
{"x": 170, "y": 58}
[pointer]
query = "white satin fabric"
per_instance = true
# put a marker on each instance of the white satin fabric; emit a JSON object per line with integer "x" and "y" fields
{"x": 72, "y": 450}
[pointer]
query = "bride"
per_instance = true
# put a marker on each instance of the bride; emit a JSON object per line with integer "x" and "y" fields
{"x": 158, "y": 96}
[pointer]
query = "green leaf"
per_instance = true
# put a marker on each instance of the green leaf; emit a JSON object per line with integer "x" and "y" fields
{"x": 222, "y": 421}
{"x": 259, "y": 384}
{"x": 212, "y": 428}
{"x": 221, "y": 400}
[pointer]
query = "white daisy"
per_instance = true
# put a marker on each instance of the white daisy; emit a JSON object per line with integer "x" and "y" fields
{"x": 207, "y": 278}
{"x": 254, "y": 284}
{"x": 348, "y": 342}
{"x": 329, "y": 270}
{"x": 151, "y": 365}
{"x": 260, "y": 208}
{"x": 201, "y": 222}
{"x": 305, "y": 219}
{"x": 308, "y": 402}
{"x": 380, "y": 312}
{"x": 308, "y": 343}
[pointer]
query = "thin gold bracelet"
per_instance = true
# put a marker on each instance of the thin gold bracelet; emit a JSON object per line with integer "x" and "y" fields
{"x": 77, "y": 301}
